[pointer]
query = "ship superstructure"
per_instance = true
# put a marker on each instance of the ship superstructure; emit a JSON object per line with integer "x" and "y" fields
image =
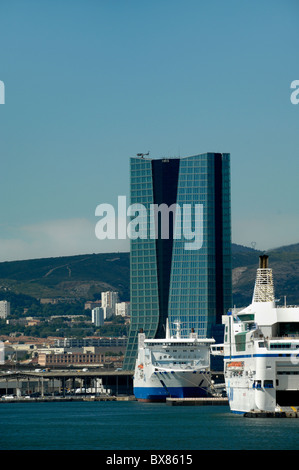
{"x": 172, "y": 367}
{"x": 261, "y": 351}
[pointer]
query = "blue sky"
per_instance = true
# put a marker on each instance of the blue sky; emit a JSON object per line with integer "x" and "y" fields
{"x": 90, "y": 83}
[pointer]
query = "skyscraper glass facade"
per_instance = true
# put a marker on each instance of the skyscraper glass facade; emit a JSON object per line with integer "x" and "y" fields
{"x": 175, "y": 276}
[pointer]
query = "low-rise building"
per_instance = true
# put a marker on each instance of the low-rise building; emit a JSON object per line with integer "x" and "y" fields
{"x": 100, "y": 341}
{"x": 67, "y": 359}
{"x": 32, "y": 321}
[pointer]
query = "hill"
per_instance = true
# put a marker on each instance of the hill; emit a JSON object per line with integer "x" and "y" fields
{"x": 73, "y": 277}
{"x": 83, "y": 277}
{"x": 284, "y": 262}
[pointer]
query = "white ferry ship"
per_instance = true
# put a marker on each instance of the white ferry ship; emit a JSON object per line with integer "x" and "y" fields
{"x": 261, "y": 352}
{"x": 172, "y": 367}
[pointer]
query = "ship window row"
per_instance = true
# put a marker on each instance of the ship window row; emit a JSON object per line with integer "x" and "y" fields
{"x": 288, "y": 372}
{"x": 258, "y": 384}
{"x": 177, "y": 357}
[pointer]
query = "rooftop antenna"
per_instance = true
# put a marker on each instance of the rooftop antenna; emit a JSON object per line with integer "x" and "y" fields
{"x": 142, "y": 155}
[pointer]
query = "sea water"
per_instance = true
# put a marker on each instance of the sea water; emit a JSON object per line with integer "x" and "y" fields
{"x": 139, "y": 426}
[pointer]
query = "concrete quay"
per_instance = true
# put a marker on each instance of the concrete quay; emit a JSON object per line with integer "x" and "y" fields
{"x": 94, "y": 384}
{"x": 62, "y": 399}
{"x": 285, "y": 412}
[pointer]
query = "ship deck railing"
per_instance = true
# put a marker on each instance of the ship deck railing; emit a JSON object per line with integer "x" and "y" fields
{"x": 287, "y": 306}
{"x": 270, "y": 339}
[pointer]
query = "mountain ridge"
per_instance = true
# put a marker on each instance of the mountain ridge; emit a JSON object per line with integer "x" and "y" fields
{"x": 85, "y": 276}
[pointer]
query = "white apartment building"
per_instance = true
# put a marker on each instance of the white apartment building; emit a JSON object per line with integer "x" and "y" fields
{"x": 97, "y": 316}
{"x": 122, "y": 308}
{"x": 4, "y": 309}
{"x": 109, "y": 299}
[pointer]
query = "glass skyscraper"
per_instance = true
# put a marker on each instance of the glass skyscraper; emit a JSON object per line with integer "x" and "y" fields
{"x": 182, "y": 271}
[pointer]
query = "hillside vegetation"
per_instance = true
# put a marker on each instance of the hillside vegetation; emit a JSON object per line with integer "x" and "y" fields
{"x": 80, "y": 277}
{"x": 284, "y": 262}
{"x": 83, "y": 277}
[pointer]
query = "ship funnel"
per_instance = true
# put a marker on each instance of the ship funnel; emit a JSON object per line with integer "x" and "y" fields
{"x": 263, "y": 289}
{"x": 264, "y": 262}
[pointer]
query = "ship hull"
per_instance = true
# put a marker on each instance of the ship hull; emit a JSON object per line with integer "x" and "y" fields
{"x": 172, "y": 367}
{"x": 155, "y": 394}
{"x": 273, "y": 386}
{"x": 159, "y": 386}
{"x": 260, "y": 351}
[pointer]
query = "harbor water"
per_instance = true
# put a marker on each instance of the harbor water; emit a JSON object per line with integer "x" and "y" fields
{"x": 139, "y": 426}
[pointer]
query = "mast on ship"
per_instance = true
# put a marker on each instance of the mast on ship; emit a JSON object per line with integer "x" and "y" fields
{"x": 178, "y": 328}
{"x": 264, "y": 288}
{"x": 177, "y": 324}
{"x": 167, "y": 329}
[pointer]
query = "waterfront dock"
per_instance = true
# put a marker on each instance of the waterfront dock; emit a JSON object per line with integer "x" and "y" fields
{"x": 284, "y": 412}
{"x": 62, "y": 399}
{"x": 46, "y": 383}
{"x": 59, "y": 385}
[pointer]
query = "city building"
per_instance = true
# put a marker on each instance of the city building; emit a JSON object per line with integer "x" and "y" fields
{"x": 97, "y": 316}
{"x": 181, "y": 262}
{"x": 104, "y": 342}
{"x": 109, "y": 299}
{"x": 4, "y": 309}
{"x": 66, "y": 359}
{"x": 122, "y": 308}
